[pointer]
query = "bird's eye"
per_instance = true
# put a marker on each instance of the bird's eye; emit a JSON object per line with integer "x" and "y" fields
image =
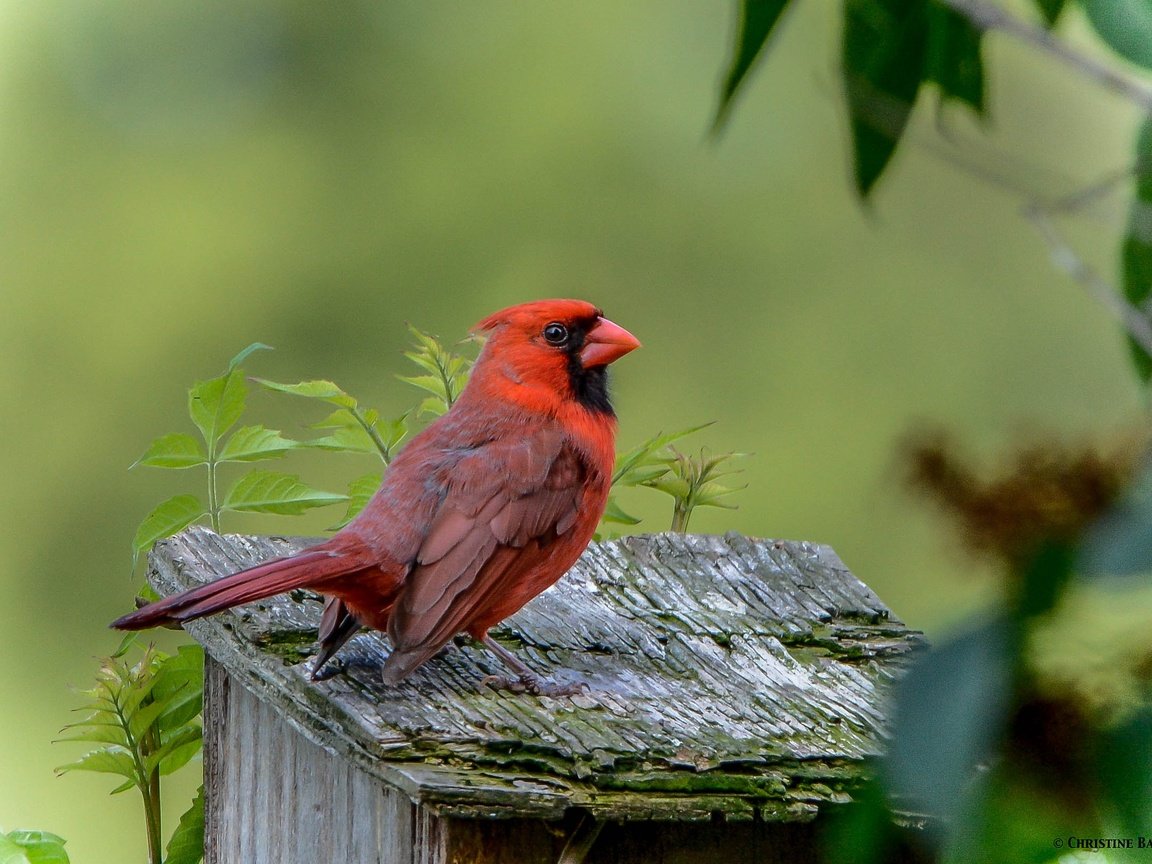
{"x": 556, "y": 333}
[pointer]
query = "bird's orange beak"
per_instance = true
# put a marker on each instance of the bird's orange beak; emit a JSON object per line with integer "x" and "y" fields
{"x": 606, "y": 342}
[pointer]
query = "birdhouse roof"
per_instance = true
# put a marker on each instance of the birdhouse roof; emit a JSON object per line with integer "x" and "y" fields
{"x": 726, "y": 674}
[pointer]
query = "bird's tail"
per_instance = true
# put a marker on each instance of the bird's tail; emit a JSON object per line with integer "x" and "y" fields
{"x": 306, "y": 569}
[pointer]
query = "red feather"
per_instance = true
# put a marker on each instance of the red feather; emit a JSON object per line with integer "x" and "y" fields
{"x": 481, "y": 512}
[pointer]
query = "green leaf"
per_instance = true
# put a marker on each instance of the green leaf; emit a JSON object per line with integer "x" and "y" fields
{"x": 394, "y": 431}
{"x": 646, "y": 474}
{"x": 250, "y": 443}
{"x": 32, "y": 847}
{"x": 950, "y": 710}
{"x": 1125, "y": 25}
{"x": 100, "y": 733}
{"x": 137, "y": 681}
{"x": 1136, "y": 254}
{"x": 166, "y": 519}
{"x": 709, "y": 495}
{"x": 430, "y": 383}
{"x": 359, "y": 430}
{"x": 1050, "y": 9}
{"x": 184, "y": 707}
{"x": 175, "y": 752}
{"x": 885, "y": 46}
{"x": 173, "y": 451}
{"x": 128, "y": 640}
{"x": 757, "y": 19}
{"x": 691, "y": 482}
{"x": 145, "y": 715}
{"x": 349, "y": 418}
{"x": 316, "y": 389}
{"x": 10, "y": 853}
{"x": 360, "y": 492}
{"x": 106, "y": 760}
{"x": 235, "y": 362}
{"x": 1120, "y": 542}
{"x": 671, "y": 484}
{"x": 180, "y": 754}
{"x": 433, "y": 406}
{"x": 615, "y": 514}
{"x": 186, "y": 845}
{"x": 347, "y": 439}
{"x": 954, "y": 57}
{"x": 270, "y": 492}
{"x": 448, "y": 373}
{"x": 215, "y": 405}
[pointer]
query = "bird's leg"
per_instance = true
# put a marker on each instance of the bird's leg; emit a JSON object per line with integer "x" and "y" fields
{"x": 337, "y": 626}
{"x": 525, "y": 678}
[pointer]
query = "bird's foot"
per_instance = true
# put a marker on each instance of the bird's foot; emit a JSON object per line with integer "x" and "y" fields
{"x": 329, "y": 669}
{"x": 534, "y": 684}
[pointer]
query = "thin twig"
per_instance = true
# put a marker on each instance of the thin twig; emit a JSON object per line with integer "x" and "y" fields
{"x": 1066, "y": 258}
{"x": 1079, "y": 200}
{"x": 990, "y": 16}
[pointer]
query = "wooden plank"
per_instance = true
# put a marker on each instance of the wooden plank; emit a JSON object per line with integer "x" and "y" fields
{"x": 728, "y": 677}
{"x": 272, "y": 795}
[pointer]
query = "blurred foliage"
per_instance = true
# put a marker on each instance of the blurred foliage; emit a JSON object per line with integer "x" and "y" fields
{"x": 1136, "y": 253}
{"x": 891, "y": 47}
{"x": 992, "y": 757}
{"x": 1003, "y": 750}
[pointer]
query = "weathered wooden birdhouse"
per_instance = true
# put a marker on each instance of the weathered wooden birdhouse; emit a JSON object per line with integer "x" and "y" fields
{"x": 736, "y": 690}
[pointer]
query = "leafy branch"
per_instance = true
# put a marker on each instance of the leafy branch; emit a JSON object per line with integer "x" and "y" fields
{"x": 692, "y": 482}
{"x": 145, "y": 717}
{"x": 353, "y": 429}
{"x": 446, "y": 373}
{"x": 689, "y": 481}
{"x": 1002, "y": 744}
{"x": 891, "y": 49}
{"x": 215, "y": 406}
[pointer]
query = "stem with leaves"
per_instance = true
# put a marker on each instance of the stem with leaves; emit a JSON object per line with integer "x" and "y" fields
{"x": 215, "y": 406}
{"x": 448, "y": 370}
{"x": 690, "y": 482}
{"x": 145, "y": 717}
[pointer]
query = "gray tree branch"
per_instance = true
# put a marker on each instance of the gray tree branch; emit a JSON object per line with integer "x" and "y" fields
{"x": 991, "y": 16}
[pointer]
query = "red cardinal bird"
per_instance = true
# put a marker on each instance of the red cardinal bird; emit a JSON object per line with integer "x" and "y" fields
{"x": 482, "y": 511}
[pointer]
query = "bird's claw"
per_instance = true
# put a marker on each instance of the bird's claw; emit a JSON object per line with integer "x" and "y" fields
{"x": 534, "y": 685}
{"x": 503, "y": 682}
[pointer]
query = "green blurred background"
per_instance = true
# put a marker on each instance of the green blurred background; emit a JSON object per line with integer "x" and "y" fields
{"x": 178, "y": 180}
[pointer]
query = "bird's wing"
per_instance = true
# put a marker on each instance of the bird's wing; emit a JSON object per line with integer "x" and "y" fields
{"x": 498, "y": 499}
